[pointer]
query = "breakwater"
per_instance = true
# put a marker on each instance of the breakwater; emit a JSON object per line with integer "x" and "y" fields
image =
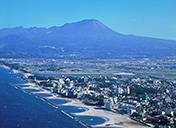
{"x": 86, "y": 124}
{"x": 67, "y": 113}
{"x": 54, "y": 105}
{"x": 22, "y": 89}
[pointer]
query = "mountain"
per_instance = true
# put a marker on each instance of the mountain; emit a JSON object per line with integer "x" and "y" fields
{"x": 85, "y": 29}
{"x": 87, "y": 37}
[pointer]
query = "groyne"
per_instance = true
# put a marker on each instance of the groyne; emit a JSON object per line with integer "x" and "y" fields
{"x": 54, "y": 105}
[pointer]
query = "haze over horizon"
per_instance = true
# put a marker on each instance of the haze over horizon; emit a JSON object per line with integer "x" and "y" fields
{"x": 143, "y": 18}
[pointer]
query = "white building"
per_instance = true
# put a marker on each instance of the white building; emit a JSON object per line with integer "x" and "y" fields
{"x": 119, "y": 90}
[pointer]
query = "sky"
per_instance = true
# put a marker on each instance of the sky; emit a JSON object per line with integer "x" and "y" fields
{"x": 153, "y": 18}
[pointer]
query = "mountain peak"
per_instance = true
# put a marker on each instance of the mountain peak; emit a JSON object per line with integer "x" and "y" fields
{"x": 88, "y": 28}
{"x": 90, "y": 20}
{"x": 85, "y": 21}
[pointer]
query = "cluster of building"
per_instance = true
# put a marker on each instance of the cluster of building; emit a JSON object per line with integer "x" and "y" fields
{"x": 147, "y": 95}
{"x": 147, "y": 100}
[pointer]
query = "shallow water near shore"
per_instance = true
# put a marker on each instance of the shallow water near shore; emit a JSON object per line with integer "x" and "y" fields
{"x": 58, "y": 101}
{"x": 22, "y": 85}
{"x": 92, "y": 120}
{"x": 43, "y": 94}
{"x": 73, "y": 109}
{"x": 32, "y": 90}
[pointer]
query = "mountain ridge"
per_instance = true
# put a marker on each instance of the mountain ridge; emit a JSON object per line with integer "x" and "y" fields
{"x": 86, "y": 36}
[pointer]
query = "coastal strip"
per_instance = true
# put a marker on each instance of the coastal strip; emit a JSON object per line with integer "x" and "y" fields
{"x": 72, "y": 116}
{"x": 54, "y": 105}
{"x": 28, "y": 92}
{"x": 16, "y": 86}
{"x": 86, "y": 124}
{"x": 22, "y": 89}
{"x": 44, "y": 99}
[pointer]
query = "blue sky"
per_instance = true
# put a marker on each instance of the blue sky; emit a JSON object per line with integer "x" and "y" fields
{"x": 153, "y": 18}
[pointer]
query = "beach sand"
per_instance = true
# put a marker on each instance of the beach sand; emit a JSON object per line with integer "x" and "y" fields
{"x": 113, "y": 119}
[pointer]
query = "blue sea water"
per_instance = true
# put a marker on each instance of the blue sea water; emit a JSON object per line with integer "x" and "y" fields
{"x": 32, "y": 90}
{"x": 73, "y": 109}
{"x": 21, "y": 85}
{"x": 43, "y": 94}
{"x": 58, "y": 101}
{"x": 21, "y": 110}
{"x": 92, "y": 120}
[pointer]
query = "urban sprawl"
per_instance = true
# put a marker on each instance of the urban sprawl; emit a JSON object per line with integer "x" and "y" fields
{"x": 143, "y": 88}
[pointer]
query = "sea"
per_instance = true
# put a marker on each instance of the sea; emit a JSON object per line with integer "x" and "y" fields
{"x": 21, "y": 110}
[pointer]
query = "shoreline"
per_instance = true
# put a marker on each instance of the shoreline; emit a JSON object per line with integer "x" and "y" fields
{"x": 112, "y": 119}
{"x": 53, "y": 105}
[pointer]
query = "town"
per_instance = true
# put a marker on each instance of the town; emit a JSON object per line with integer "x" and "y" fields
{"x": 147, "y": 92}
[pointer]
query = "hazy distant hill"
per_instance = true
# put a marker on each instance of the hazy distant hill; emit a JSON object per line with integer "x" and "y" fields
{"x": 87, "y": 36}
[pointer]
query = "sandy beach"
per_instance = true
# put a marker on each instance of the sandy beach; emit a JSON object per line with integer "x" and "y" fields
{"x": 112, "y": 119}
